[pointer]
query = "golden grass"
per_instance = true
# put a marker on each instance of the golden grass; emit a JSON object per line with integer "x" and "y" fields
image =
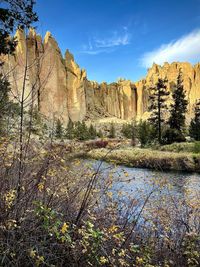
{"x": 147, "y": 158}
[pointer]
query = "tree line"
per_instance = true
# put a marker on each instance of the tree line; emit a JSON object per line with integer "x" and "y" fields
{"x": 76, "y": 130}
{"x": 172, "y": 128}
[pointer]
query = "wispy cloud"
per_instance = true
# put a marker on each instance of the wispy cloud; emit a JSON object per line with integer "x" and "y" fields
{"x": 96, "y": 52}
{"x": 115, "y": 40}
{"x": 187, "y": 48}
{"x": 107, "y": 44}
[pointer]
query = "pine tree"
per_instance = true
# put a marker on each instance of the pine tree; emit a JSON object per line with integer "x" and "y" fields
{"x": 194, "y": 128}
{"x": 92, "y": 132}
{"x": 70, "y": 130}
{"x": 4, "y": 101}
{"x": 112, "y": 131}
{"x": 13, "y": 15}
{"x": 59, "y": 129}
{"x": 179, "y": 106}
{"x": 144, "y": 132}
{"x": 157, "y": 100}
{"x": 81, "y": 131}
{"x": 4, "y": 95}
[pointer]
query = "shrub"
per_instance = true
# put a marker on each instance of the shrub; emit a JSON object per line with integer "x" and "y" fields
{"x": 178, "y": 147}
{"x": 92, "y": 132}
{"x": 100, "y": 134}
{"x": 112, "y": 132}
{"x": 69, "y": 134}
{"x": 81, "y": 131}
{"x": 59, "y": 129}
{"x": 144, "y": 133}
{"x": 194, "y": 130}
{"x": 171, "y": 136}
{"x": 196, "y": 148}
{"x": 127, "y": 130}
{"x": 68, "y": 213}
{"x": 101, "y": 143}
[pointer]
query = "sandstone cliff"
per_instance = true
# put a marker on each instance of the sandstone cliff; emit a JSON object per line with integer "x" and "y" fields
{"x": 191, "y": 79}
{"x": 59, "y": 88}
{"x": 116, "y": 99}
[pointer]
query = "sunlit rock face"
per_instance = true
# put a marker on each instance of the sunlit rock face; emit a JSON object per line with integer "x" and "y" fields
{"x": 37, "y": 67}
{"x": 116, "y": 99}
{"x": 76, "y": 78}
{"x": 53, "y": 93}
{"x": 20, "y": 65}
{"x": 190, "y": 75}
{"x": 59, "y": 88}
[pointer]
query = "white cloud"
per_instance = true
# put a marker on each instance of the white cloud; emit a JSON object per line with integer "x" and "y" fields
{"x": 106, "y": 45}
{"x": 96, "y": 52}
{"x": 115, "y": 40}
{"x": 187, "y": 48}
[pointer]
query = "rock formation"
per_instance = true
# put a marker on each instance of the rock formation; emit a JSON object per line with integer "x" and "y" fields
{"x": 76, "y": 78}
{"x": 191, "y": 82}
{"x": 59, "y": 88}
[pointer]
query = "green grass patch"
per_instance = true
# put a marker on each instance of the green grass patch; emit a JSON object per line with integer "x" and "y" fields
{"x": 193, "y": 147}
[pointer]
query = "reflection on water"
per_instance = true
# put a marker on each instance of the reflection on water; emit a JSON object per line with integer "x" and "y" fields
{"x": 132, "y": 180}
{"x": 149, "y": 191}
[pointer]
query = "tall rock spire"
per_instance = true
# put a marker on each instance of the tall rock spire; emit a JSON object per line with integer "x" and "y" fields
{"x": 61, "y": 90}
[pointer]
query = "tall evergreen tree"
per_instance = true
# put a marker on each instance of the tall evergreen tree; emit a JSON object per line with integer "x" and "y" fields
{"x": 4, "y": 98}
{"x": 157, "y": 100}
{"x": 194, "y": 128}
{"x": 14, "y": 14}
{"x": 4, "y": 101}
{"x": 179, "y": 106}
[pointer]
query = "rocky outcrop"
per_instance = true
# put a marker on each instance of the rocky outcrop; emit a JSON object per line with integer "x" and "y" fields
{"x": 76, "y": 78}
{"x": 116, "y": 99}
{"x": 59, "y": 88}
{"x": 190, "y": 75}
{"x": 53, "y": 90}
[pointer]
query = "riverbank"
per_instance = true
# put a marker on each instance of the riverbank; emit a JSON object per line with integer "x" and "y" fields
{"x": 148, "y": 158}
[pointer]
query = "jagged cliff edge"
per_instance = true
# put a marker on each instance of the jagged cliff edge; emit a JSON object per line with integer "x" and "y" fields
{"x": 60, "y": 88}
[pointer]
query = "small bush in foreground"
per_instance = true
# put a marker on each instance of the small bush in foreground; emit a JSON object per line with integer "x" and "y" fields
{"x": 69, "y": 214}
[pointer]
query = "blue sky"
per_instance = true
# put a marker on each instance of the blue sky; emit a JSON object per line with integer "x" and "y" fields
{"x": 122, "y": 38}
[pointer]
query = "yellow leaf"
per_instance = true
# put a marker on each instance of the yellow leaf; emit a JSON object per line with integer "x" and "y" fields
{"x": 103, "y": 260}
{"x": 32, "y": 253}
{"x": 64, "y": 228}
{"x": 40, "y": 186}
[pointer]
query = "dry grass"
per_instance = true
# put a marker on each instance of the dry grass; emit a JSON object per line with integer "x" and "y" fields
{"x": 147, "y": 158}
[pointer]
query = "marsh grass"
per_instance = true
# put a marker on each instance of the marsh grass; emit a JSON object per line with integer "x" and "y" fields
{"x": 148, "y": 158}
